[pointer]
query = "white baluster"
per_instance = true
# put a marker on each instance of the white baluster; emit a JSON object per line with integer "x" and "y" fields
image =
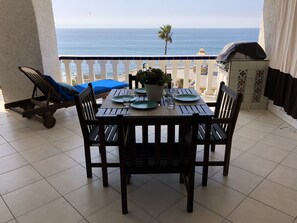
{"x": 103, "y": 69}
{"x": 187, "y": 64}
{"x": 115, "y": 69}
{"x": 139, "y": 64}
{"x": 163, "y": 64}
{"x": 127, "y": 69}
{"x": 79, "y": 74}
{"x": 67, "y": 71}
{"x": 174, "y": 70}
{"x": 198, "y": 84}
{"x": 150, "y": 63}
{"x": 91, "y": 69}
{"x": 208, "y": 89}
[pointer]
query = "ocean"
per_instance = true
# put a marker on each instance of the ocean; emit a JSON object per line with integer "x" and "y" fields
{"x": 146, "y": 41}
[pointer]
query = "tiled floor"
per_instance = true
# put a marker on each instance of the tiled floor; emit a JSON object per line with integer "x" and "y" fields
{"x": 43, "y": 179}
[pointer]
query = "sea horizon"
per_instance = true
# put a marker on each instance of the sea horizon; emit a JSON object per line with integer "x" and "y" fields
{"x": 145, "y": 41}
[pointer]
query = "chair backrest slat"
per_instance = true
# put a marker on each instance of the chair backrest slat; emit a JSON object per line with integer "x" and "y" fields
{"x": 87, "y": 109}
{"x": 152, "y": 149}
{"x": 41, "y": 83}
{"x": 228, "y": 106}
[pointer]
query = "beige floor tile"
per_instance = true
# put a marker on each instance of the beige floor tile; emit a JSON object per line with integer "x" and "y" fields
{"x": 268, "y": 152}
{"x": 27, "y": 143}
{"x": 213, "y": 195}
{"x": 254, "y": 164}
{"x": 172, "y": 180}
{"x": 55, "y": 134}
{"x": 30, "y": 197}
{"x": 57, "y": 211}
{"x": 250, "y": 133}
{"x": 40, "y": 152}
{"x": 18, "y": 134}
{"x": 70, "y": 179}
{"x": 92, "y": 197}
{"x": 287, "y": 131}
{"x": 113, "y": 213}
{"x": 290, "y": 160}
{"x": 242, "y": 143}
{"x": 268, "y": 117}
{"x": 6, "y": 149}
{"x": 239, "y": 179}
{"x": 54, "y": 164}
{"x": 263, "y": 126}
{"x": 78, "y": 154}
{"x": 178, "y": 213}
{"x": 136, "y": 180}
{"x": 277, "y": 196}
{"x": 2, "y": 140}
{"x": 5, "y": 214}
{"x": 281, "y": 142}
{"x": 12, "y": 221}
{"x": 18, "y": 178}
{"x": 69, "y": 143}
{"x": 253, "y": 211}
{"x": 75, "y": 128}
{"x": 11, "y": 162}
{"x": 154, "y": 197}
{"x": 10, "y": 127}
{"x": 285, "y": 176}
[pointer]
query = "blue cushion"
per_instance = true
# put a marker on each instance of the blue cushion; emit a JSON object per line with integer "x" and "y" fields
{"x": 102, "y": 85}
{"x": 68, "y": 88}
{"x": 67, "y": 91}
{"x": 65, "y": 94}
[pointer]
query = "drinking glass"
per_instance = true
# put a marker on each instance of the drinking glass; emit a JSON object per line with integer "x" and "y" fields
{"x": 127, "y": 97}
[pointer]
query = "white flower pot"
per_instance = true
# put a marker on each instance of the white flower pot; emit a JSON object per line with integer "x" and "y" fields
{"x": 153, "y": 92}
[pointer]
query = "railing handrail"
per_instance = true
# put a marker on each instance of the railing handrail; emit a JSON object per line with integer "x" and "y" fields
{"x": 137, "y": 57}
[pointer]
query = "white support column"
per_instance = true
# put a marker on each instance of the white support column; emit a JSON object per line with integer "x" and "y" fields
{"x": 208, "y": 89}
{"x": 115, "y": 69}
{"x": 91, "y": 69}
{"x": 187, "y": 64}
{"x": 150, "y": 63}
{"x": 127, "y": 69}
{"x": 174, "y": 70}
{"x": 198, "y": 84}
{"x": 103, "y": 68}
{"x": 79, "y": 74}
{"x": 139, "y": 64}
{"x": 67, "y": 71}
{"x": 163, "y": 64}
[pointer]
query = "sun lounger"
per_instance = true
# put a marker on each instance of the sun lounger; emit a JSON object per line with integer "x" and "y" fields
{"x": 55, "y": 95}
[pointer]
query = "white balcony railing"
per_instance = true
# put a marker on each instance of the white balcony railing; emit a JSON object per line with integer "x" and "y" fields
{"x": 194, "y": 71}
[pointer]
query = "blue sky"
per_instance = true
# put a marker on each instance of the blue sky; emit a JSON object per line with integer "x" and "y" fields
{"x": 155, "y": 13}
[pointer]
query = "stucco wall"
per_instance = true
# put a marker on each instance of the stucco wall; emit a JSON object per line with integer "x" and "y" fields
{"x": 27, "y": 38}
{"x": 266, "y": 27}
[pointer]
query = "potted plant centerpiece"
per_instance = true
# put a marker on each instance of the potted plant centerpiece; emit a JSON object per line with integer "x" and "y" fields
{"x": 153, "y": 80}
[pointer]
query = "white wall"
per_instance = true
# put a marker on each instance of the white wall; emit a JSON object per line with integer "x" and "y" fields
{"x": 27, "y": 38}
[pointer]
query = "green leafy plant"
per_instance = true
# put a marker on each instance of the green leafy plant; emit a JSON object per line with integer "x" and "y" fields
{"x": 153, "y": 76}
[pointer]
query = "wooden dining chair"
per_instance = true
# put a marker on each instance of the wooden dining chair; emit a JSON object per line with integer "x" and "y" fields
{"x": 86, "y": 109}
{"x": 133, "y": 82}
{"x": 167, "y": 148}
{"x": 222, "y": 127}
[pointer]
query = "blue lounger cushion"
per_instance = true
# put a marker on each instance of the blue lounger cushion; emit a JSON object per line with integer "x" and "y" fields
{"x": 67, "y": 91}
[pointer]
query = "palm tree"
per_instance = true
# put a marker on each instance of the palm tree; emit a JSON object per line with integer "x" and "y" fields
{"x": 165, "y": 34}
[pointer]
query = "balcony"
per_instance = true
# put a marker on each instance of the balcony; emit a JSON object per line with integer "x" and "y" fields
{"x": 42, "y": 173}
{"x": 199, "y": 72}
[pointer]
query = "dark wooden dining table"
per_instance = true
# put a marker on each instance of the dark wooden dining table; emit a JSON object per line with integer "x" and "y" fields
{"x": 109, "y": 110}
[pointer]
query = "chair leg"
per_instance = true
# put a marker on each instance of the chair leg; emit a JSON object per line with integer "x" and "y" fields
{"x": 213, "y": 147}
{"x": 104, "y": 167}
{"x": 124, "y": 191}
{"x": 128, "y": 178}
{"x": 181, "y": 178}
{"x": 88, "y": 161}
{"x": 227, "y": 159}
{"x": 190, "y": 195}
